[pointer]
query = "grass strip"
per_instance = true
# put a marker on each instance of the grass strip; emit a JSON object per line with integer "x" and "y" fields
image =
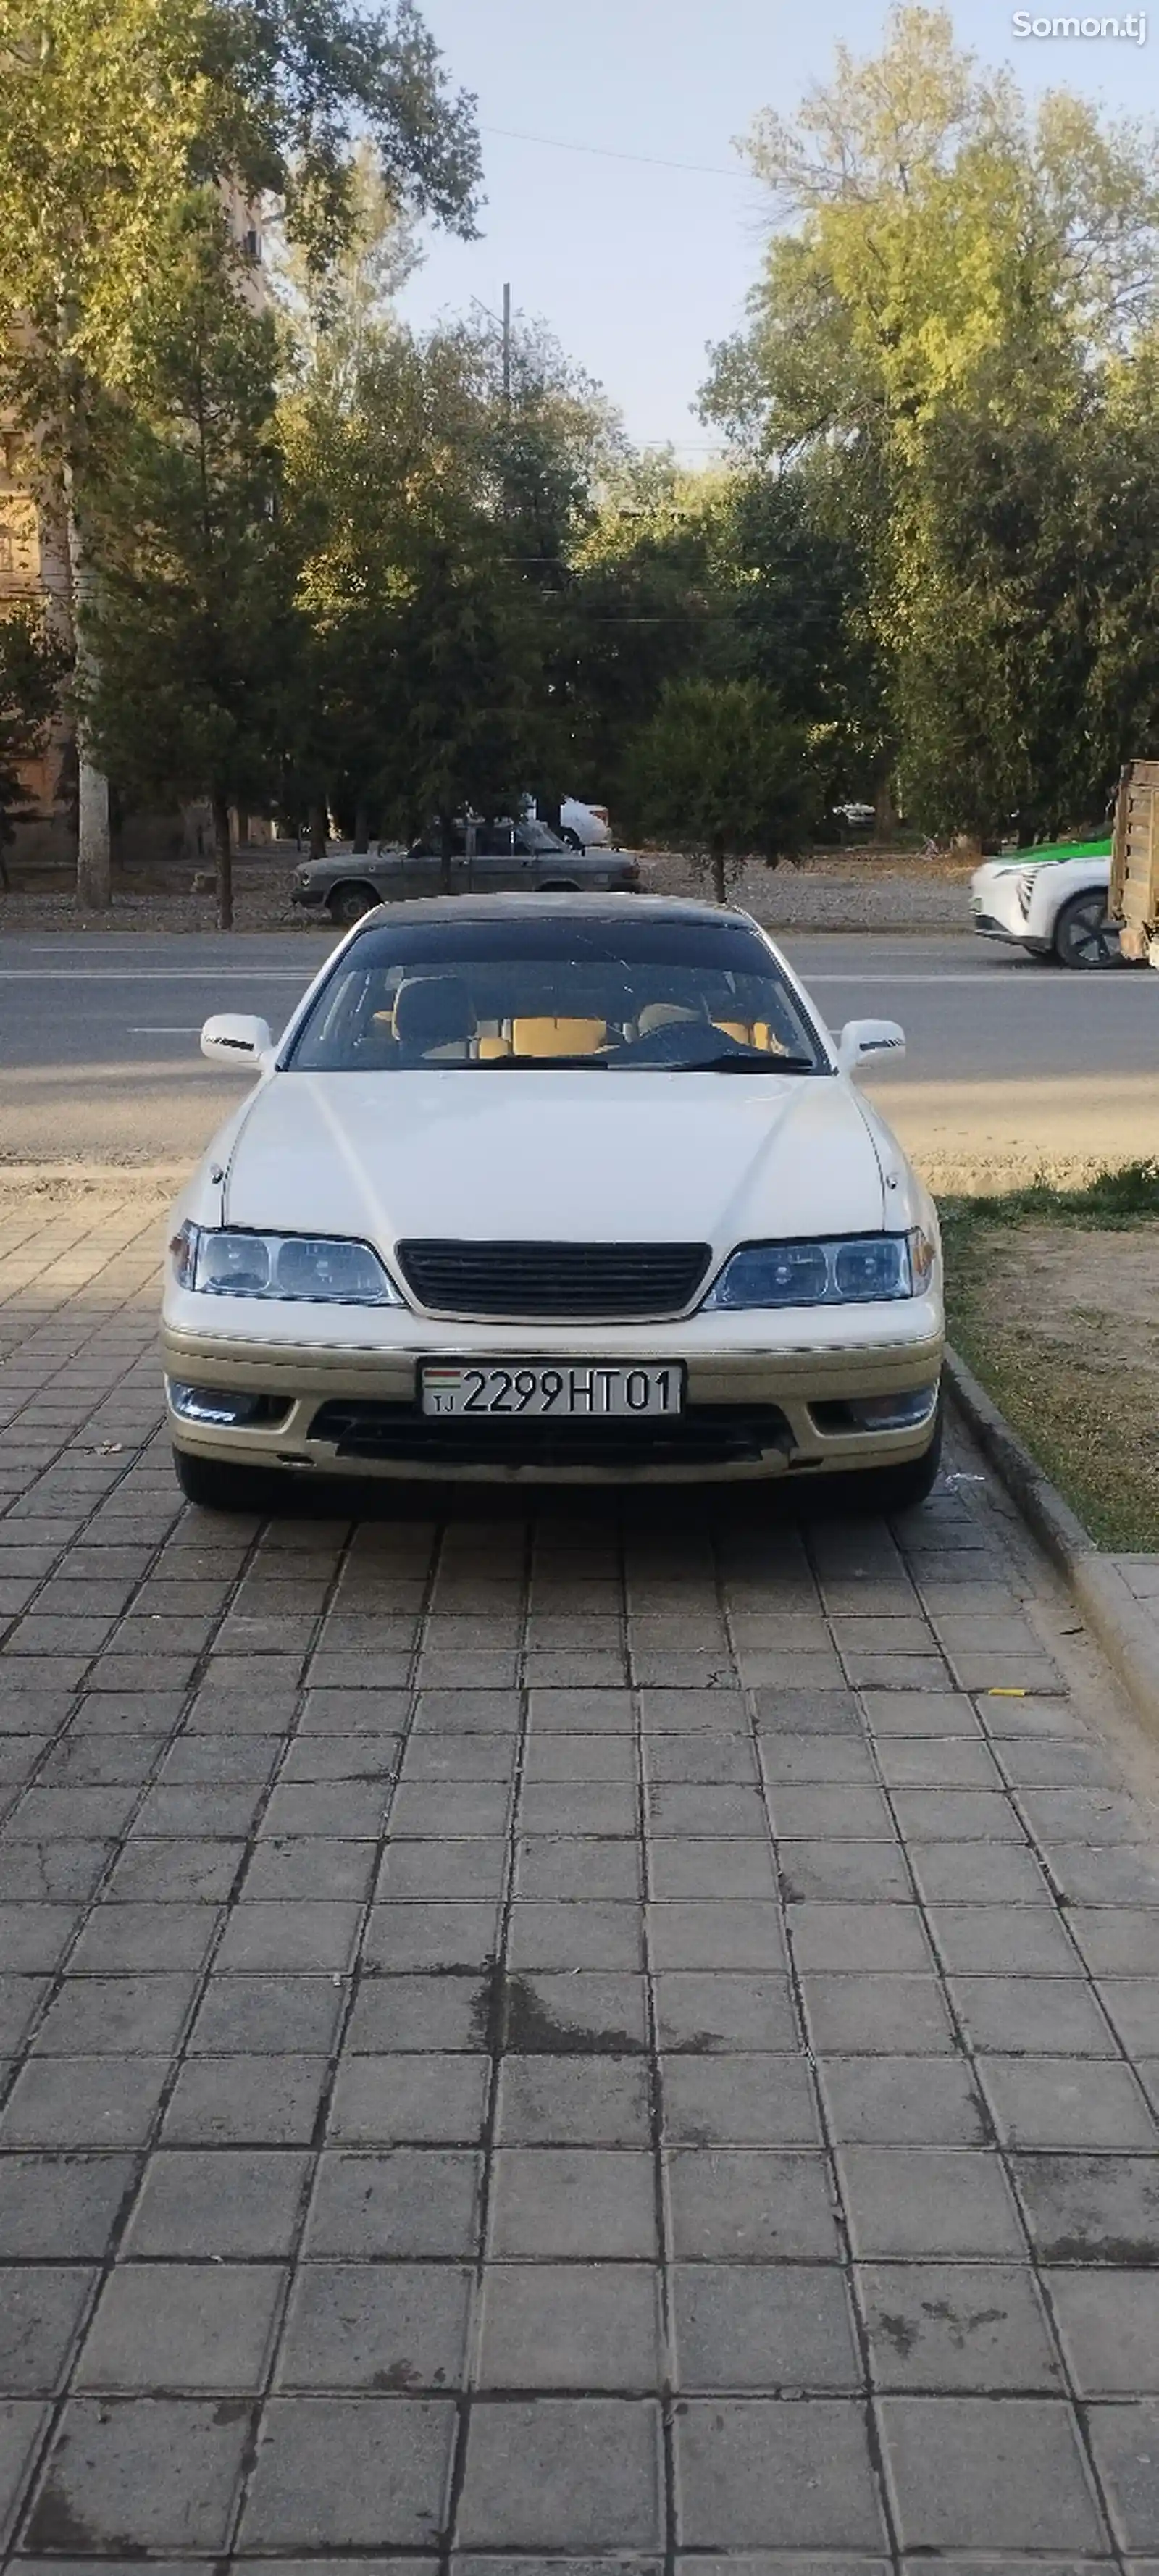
{"x": 1082, "y": 1393}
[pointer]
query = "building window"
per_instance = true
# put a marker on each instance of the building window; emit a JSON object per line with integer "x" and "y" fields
{"x": 7, "y": 554}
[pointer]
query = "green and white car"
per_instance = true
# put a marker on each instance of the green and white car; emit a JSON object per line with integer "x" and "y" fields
{"x": 1052, "y": 902}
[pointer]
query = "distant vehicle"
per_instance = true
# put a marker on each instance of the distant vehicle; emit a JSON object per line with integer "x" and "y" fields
{"x": 855, "y": 813}
{"x": 1052, "y": 902}
{"x": 486, "y": 858}
{"x": 584, "y": 827}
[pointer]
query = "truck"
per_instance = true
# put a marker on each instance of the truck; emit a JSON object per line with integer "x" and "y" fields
{"x": 1133, "y": 896}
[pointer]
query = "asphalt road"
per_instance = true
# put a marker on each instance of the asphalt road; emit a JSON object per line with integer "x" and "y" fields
{"x": 1009, "y": 1063}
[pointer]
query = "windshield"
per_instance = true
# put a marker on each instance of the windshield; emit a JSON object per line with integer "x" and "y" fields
{"x": 539, "y": 836}
{"x": 625, "y": 994}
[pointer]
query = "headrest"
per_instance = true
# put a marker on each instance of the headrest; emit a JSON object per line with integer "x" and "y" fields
{"x": 557, "y": 1036}
{"x": 432, "y": 1011}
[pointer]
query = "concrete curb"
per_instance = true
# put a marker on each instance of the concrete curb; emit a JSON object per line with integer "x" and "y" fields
{"x": 1124, "y": 1632}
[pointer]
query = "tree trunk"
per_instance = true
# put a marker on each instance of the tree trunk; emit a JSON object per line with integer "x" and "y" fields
{"x": 885, "y": 813}
{"x": 319, "y": 829}
{"x": 361, "y": 842}
{"x": 446, "y": 830}
{"x": 94, "y": 860}
{"x": 224, "y": 856}
{"x": 719, "y": 889}
{"x": 94, "y": 863}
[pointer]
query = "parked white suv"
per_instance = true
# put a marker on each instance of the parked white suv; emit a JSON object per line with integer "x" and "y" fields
{"x": 1052, "y": 903}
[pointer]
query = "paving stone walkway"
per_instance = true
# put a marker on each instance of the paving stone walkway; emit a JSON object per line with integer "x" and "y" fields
{"x": 548, "y": 2038}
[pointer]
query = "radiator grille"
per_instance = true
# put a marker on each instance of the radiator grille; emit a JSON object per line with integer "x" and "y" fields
{"x": 568, "y": 1281}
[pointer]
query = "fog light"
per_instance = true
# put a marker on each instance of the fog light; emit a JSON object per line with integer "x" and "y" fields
{"x": 878, "y": 1412}
{"x": 233, "y": 1408}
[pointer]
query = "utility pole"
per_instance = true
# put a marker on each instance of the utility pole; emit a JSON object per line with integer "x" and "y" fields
{"x": 507, "y": 347}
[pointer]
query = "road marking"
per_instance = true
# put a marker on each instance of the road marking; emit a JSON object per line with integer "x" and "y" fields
{"x": 153, "y": 975}
{"x": 985, "y": 975}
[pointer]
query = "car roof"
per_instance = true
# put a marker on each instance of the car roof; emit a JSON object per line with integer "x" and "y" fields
{"x": 589, "y": 907}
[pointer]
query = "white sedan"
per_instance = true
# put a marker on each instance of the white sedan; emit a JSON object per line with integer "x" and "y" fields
{"x": 560, "y": 1188}
{"x": 1053, "y": 907}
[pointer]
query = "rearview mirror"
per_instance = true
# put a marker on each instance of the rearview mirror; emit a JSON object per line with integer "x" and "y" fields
{"x": 231, "y": 1038}
{"x": 861, "y": 1040}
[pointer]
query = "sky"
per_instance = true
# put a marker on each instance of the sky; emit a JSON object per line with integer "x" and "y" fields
{"x": 638, "y": 266}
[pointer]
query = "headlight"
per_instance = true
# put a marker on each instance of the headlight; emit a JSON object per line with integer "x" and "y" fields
{"x": 307, "y": 1269}
{"x": 854, "y": 1270}
{"x": 1024, "y": 888}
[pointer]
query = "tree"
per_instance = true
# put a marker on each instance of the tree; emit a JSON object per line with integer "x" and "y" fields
{"x": 438, "y": 501}
{"x": 645, "y": 609}
{"x": 1028, "y": 671}
{"x": 193, "y": 629}
{"x": 791, "y": 571}
{"x": 955, "y": 290}
{"x": 721, "y": 771}
{"x": 32, "y": 665}
{"x": 115, "y": 112}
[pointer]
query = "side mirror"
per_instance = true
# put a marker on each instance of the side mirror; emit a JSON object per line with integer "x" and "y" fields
{"x": 861, "y": 1040}
{"x": 242, "y": 1043}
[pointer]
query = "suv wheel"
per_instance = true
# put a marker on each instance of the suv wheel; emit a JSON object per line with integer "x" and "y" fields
{"x": 348, "y": 902}
{"x": 1083, "y": 936}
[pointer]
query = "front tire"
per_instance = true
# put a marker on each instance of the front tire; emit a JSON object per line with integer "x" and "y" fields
{"x": 218, "y": 1487}
{"x": 1083, "y": 935}
{"x": 572, "y": 838}
{"x": 901, "y": 1489}
{"x": 349, "y": 902}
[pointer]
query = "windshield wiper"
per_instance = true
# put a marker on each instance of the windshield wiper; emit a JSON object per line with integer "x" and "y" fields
{"x": 762, "y": 1063}
{"x": 546, "y": 1063}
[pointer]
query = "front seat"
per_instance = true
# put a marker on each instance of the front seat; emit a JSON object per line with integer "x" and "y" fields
{"x": 432, "y": 1018}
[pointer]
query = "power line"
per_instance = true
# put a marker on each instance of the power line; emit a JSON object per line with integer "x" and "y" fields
{"x": 604, "y": 152}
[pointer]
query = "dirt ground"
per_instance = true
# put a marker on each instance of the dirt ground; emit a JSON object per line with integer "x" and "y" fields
{"x": 1062, "y": 1322}
{"x": 830, "y": 890}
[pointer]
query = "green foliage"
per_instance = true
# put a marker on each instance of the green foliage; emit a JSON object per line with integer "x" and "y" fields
{"x": 1118, "y": 1196}
{"x": 721, "y": 771}
{"x": 32, "y": 666}
{"x": 957, "y": 334}
{"x": 642, "y": 611}
{"x": 437, "y": 511}
{"x": 116, "y": 111}
{"x": 192, "y": 629}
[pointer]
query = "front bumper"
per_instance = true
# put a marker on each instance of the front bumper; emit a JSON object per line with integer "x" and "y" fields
{"x": 988, "y": 928}
{"x": 751, "y": 1411}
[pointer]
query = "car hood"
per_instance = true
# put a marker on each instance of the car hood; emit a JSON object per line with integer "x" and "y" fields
{"x": 557, "y": 1156}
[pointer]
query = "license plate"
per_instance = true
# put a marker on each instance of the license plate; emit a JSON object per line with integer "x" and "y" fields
{"x": 574, "y": 1390}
